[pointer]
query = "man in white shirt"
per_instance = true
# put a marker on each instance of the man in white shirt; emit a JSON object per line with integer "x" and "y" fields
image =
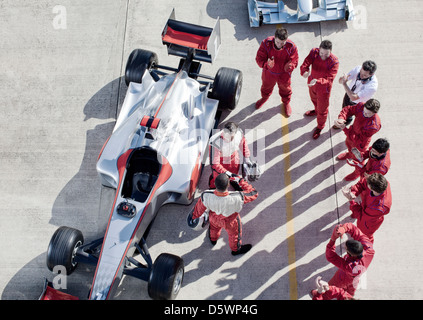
{"x": 360, "y": 85}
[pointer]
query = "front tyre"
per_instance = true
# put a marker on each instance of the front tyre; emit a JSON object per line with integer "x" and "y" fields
{"x": 62, "y": 249}
{"x": 166, "y": 277}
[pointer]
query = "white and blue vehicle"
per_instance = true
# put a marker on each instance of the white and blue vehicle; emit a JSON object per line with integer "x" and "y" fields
{"x": 261, "y": 12}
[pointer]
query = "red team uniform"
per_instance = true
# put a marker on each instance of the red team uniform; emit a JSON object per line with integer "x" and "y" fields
{"x": 225, "y": 155}
{"x": 373, "y": 165}
{"x": 324, "y": 71}
{"x": 334, "y": 293}
{"x": 224, "y": 211}
{"x": 372, "y": 209}
{"x": 350, "y": 268}
{"x": 286, "y": 60}
{"x": 360, "y": 132}
{"x": 376, "y": 165}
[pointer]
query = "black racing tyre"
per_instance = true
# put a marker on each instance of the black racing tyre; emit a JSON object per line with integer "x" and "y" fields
{"x": 227, "y": 87}
{"x": 138, "y": 61}
{"x": 62, "y": 248}
{"x": 166, "y": 277}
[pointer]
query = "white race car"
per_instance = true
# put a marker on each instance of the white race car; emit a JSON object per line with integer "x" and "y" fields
{"x": 154, "y": 156}
{"x": 276, "y": 12}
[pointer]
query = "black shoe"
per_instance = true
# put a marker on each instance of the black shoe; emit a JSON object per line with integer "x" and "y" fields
{"x": 244, "y": 249}
{"x": 212, "y": 242}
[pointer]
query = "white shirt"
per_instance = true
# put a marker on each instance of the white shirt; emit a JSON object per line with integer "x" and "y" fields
{"x": 364, "y": 91}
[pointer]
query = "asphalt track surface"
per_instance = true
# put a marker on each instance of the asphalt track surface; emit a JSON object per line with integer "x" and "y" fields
{"x": 61, "y": 91}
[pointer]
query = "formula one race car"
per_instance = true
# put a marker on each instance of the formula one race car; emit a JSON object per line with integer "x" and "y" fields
{"x": 153, "y": 157}
{"x": 261, "y": 12}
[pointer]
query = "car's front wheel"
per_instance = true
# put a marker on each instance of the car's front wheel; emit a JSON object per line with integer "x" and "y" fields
{"x": 62, "y": 249}
{"x": 227, "y": 87}
{"x": 166, "y": 277}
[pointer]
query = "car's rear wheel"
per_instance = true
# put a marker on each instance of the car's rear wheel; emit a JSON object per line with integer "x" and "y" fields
{"x": 227, "y": 87}
{"x": 62, "y": 249}
{"x": 166, "y": 277}
{"x": 138, "y": 61}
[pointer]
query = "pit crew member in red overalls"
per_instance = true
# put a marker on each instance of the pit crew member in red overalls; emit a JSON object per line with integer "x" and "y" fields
{"x": 278, "y": 57}
{"x": 225, "y": 148}
{"x": 378, "y": 160}
{"x": 365, "y": 125}
{"x": 376, "y": 202}
{"x": 359, "y": 255}
{"x": 224, "y": 207}
{"x": 324, "y": 67}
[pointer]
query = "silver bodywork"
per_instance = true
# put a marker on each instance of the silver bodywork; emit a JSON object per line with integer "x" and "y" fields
{"x": 261, "y": 12}
{"x": 181, "y": 142}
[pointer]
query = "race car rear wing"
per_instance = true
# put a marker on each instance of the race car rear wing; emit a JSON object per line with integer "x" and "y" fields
{"x": 189, "y": 40}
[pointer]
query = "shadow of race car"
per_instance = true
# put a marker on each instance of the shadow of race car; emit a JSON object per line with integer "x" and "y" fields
{"x": 153, "y": 157}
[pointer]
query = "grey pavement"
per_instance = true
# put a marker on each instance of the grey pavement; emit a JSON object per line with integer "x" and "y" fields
{"x": 61, "y": 89}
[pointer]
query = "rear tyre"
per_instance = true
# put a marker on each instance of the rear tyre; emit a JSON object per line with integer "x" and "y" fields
{"x": 62, "y": 249}
{"x": 227, "y": 88}
{"x": 166, "y": 277}
{"x": 138, "y": 61}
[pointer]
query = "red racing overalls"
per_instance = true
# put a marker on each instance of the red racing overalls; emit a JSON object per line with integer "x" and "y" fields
{"x": 372, "y": 209}
{"x": 286, "y": 60}
{"x": 224, "y": 155}
{"x": 324, "y": 71}
{"x": 224, "y": 211}
{"x": 361, "y": 131}
{"x": 350, "y": 268}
